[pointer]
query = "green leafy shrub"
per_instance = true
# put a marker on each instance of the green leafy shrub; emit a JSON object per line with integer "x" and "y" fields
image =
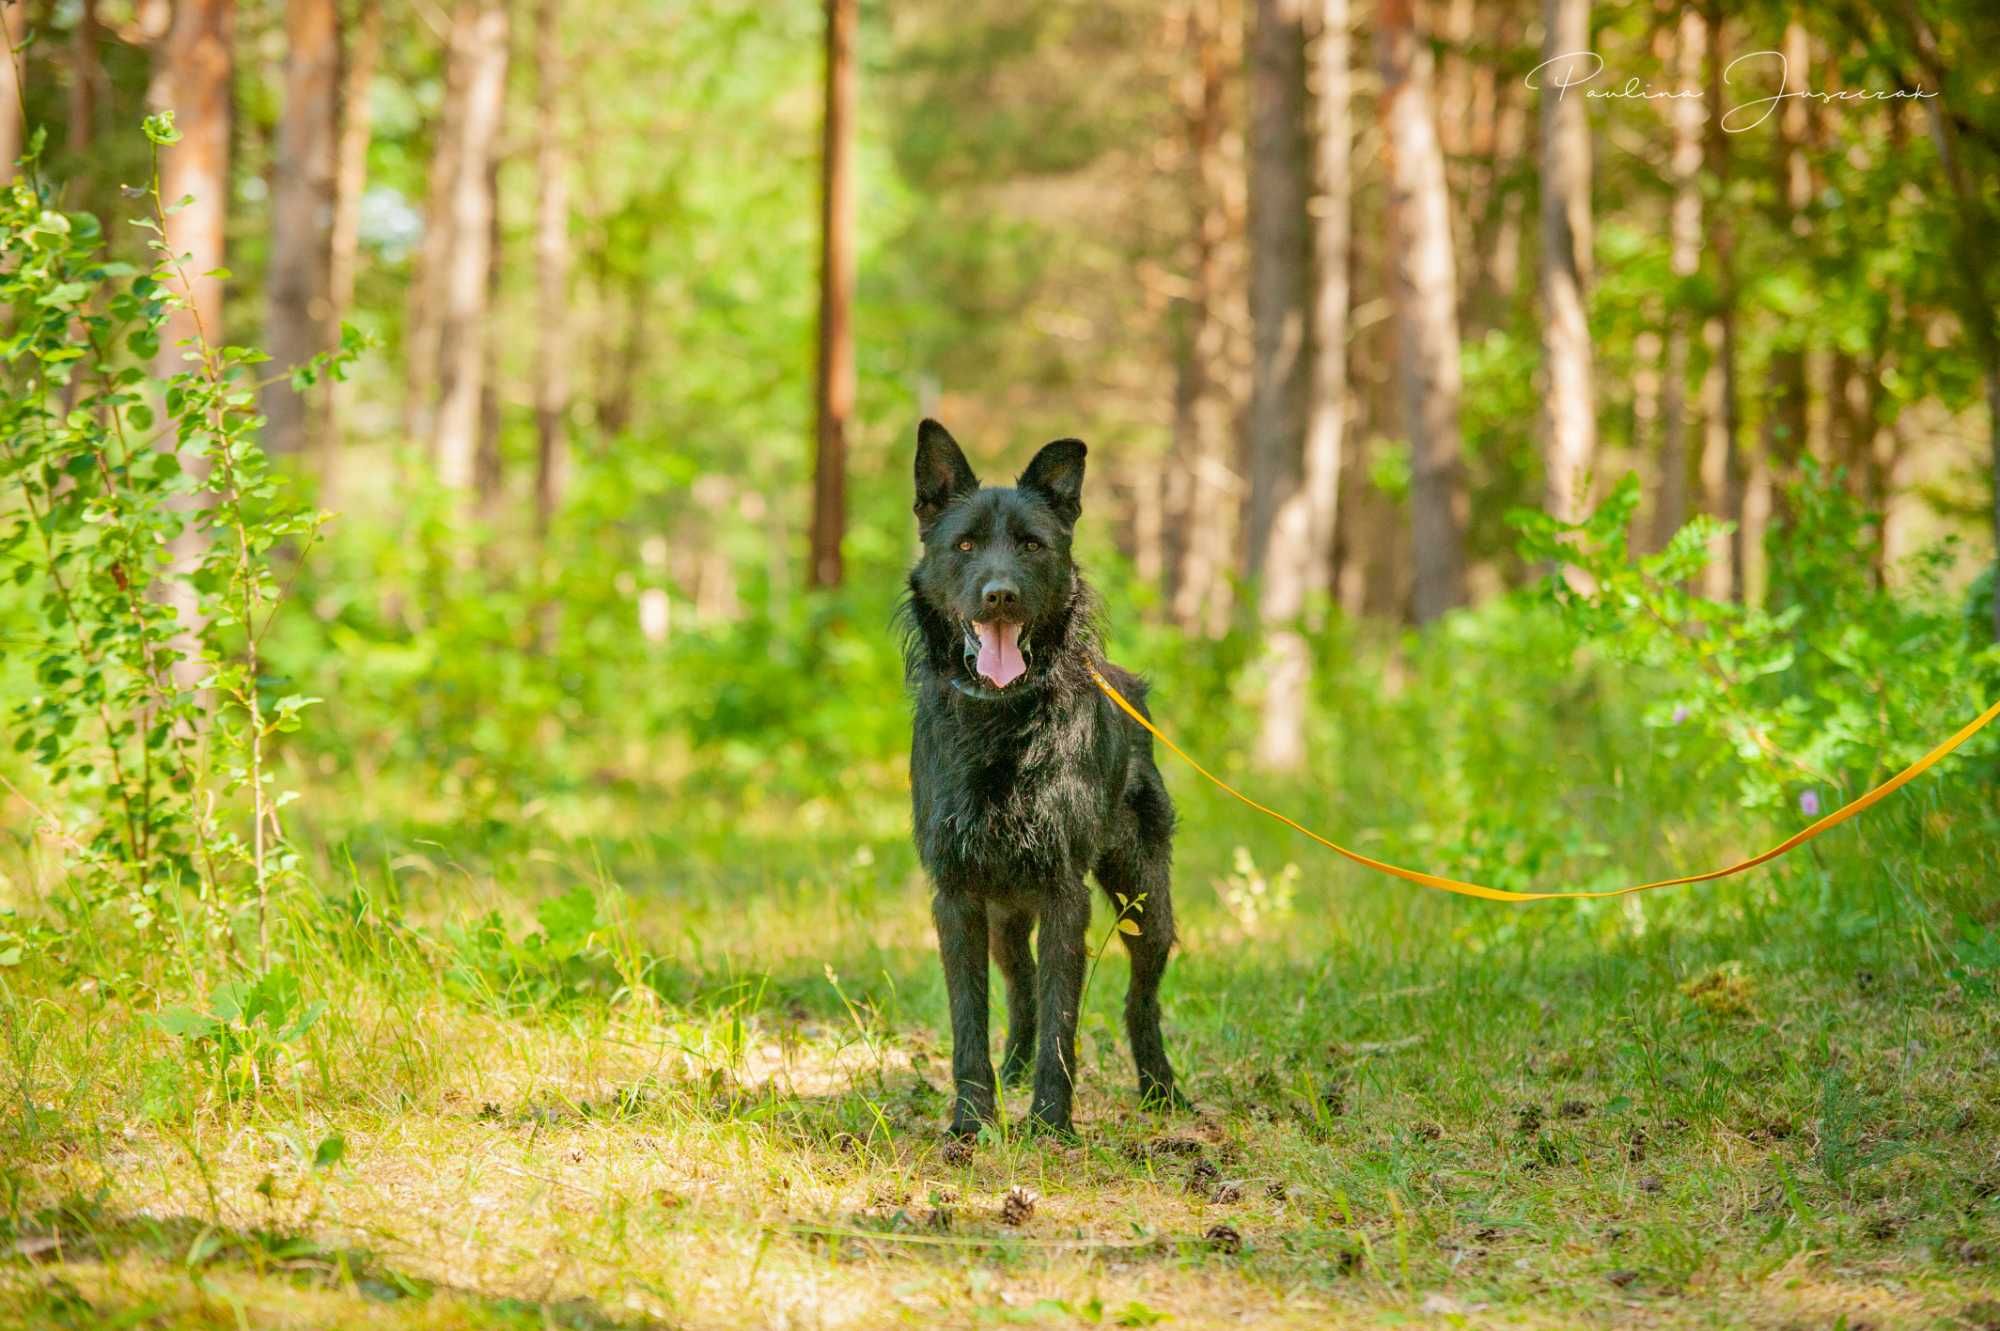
{"x": 548, "y": 967}
{"x": 1832, "y": 688}
{"x": 143, "y": 529}
{"x": 245, "y": 1027}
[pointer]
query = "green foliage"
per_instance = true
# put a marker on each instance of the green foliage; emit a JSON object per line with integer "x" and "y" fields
{"x": 545, "y": 969}
{"x": 92, "y": 522}
{"x": 145, "y": 534}
{"x": 246, "y": 1026}
{"x": 1819, "y": 696}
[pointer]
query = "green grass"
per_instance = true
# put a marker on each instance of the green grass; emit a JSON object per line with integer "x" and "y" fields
{"x": 1768, "y": 1103}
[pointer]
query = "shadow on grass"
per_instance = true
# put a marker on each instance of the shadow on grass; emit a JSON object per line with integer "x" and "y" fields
{"x": 81, "y": 1230}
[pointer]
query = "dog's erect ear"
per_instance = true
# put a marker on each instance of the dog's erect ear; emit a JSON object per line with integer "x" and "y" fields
{"x": 943, "y": 474}
{"x": 1056, "y": 475}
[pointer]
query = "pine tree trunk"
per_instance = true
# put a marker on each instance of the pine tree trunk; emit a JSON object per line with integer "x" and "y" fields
{"x": 1973, "y": 240}
{"x": 1177, "y": 481}
{"x": 357, "y": 130}
{"x": 551, "y": 271}
{"x": 357, "y": 126}
{"x": 1424, "y": 293}
{"x": 193, "y": 79}
{"x": 1280, "y": 520}
{"x": 833, "y": 394}
{"x": 1684, "y": 229}
{"x": 623, "y": 355}
{"x": 1326, "y": 420}
{"x": 1454, "y": 85}
{"x": 86, "y": 83}
{"x": 193, "y": 73}
{"x": 1569, "y": 410}
{"x": 13, "y": 134}
{"x": 1203, "y": 518}
{"x": 462, "y": 360}
{"x": 1498, "y": 132}
{"x": 487, "y": 471}
{"x": 424, "y": 318}
{"x": 1789, "y": 404}
{"x": 299, "y": 323}
{"x": 1149, "y": 527}
{"x": 1280, "y": 274}
{"x": 1722, "y": 244}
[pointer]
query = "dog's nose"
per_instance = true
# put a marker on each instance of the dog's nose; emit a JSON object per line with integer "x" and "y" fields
{"x": 1000, "y": 595}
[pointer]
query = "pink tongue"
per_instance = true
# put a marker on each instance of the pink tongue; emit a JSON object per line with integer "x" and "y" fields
{"x": 1000, "y": 653}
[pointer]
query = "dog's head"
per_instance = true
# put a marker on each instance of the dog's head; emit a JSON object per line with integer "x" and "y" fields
{"x": 996, "y": 568}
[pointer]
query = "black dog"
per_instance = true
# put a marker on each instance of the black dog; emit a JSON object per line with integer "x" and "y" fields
{"x": 1024, "y": 777}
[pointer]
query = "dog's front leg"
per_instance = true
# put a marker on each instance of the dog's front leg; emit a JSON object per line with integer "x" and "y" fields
{"x": 1062, "y": 951}
{"x": 961, "y": 930}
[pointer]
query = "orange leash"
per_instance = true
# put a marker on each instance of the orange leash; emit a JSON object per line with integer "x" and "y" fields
{"x": 1442, "y": 884}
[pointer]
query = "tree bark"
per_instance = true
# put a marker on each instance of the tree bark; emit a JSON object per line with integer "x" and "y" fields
{"x": 551, "y": 271}
{"x": 1423, "y": 290}
{"x": 1498, "y": 132}
{"x": 1684, "y": 228}
{"x": 1149, "y": 527}
{"x": 357, "y": 126}
{"x": 1280, "y": 271}
{"x": 1203, "y": 504}
{"x": 1786, "y": 413}
{"x": 1973, "y": 237}
{"x": 622, "y": 353}
{"x": 833, "y": 392}
{"x": 1570, "y": 408}
{"x": 1326, "y": 419}
{"x": 425, "y": 314}
{"x": 13, "y": 134}
{"x": 1280, "y": 520}
{"x": 357, "y": 129}
{"x": 299, "y": 323}
{"x": 86, "y": 82}
{"x": 467, "y": 277}
{"x": 193, "y": 72}
{"x": 487, "y": 470}
{"x": 1722, "y": 244}
{"x": 1714, "y": 465}
{"x": 1178, "y": 488}
{"x": 1455, "y": 89}
{"x": 192, "y": 78}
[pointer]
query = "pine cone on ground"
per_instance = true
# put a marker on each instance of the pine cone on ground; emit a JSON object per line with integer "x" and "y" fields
{"x": 1017, "y": 1206}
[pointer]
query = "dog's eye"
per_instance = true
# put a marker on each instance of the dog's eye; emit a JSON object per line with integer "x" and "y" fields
{"x": 965, "y": 545}
{"x": 1031, "y": 546}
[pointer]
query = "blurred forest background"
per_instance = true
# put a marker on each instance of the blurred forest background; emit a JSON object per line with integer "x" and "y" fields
{"x": 1331, "y": 288}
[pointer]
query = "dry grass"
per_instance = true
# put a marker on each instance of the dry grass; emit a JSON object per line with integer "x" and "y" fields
{"x": 727, "y": 1114}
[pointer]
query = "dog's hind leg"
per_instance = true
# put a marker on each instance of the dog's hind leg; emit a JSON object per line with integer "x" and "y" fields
{"x": 1008, "y": 932}
{"x": 961, "y": 930}
{"x": 1148, "y": 949}
{"x": 1140, "y": 871}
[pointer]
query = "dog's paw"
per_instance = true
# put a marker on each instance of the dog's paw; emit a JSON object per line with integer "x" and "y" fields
{"x": 971, "y": 1111}
{"x": 1052, "y": 1127}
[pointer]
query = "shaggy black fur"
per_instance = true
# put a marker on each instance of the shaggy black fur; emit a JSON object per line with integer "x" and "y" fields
{"x": 1019, "y": 790}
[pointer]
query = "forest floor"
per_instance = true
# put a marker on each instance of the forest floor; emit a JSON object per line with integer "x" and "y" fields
{"x": 724, "y": 1110}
